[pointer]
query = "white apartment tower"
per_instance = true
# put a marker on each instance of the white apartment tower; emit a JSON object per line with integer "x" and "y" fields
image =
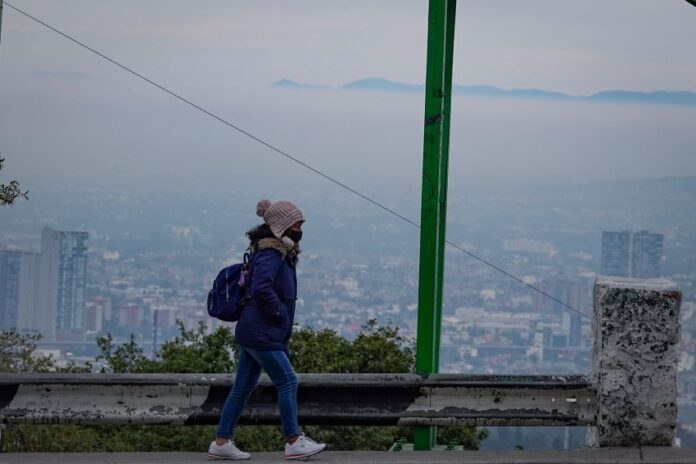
{"x": 61, "y": 284}
{"x": 45, "y": 292}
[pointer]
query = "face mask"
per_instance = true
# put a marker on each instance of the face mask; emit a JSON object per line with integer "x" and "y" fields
{"x": 295, "y": 235}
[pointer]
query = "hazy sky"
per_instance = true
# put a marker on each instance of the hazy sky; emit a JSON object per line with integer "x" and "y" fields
{"x": 66, "y": 114}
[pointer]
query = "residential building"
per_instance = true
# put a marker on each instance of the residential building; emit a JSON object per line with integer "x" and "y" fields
{"x": 631, "y": 255}
{"x": 61, "y": 284}
{"x": 646, "y": 255}
{"x": 18, "y": 273}
{"x": 616, "y": 254}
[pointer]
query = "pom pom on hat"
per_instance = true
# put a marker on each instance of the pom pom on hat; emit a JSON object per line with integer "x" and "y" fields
{"x": 262, "y": 206}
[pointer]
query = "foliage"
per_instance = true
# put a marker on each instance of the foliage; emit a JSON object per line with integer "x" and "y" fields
{"x": 12, "y": 191}
{"x": 73, "y": 368}
{"x": 70, "y": 438}
{"x": 257, "y": 438}
{"x": 322, "y": 351}
{"x": 18, "y": 353}
{"x": 382, "y": 349}
{"x": 108, "y": 438}
{"x": 376, "y": 349}
{"x": 468, "y": 436}
{"x": 129, "y": 357}
{"x": 194, "y": 351}
{"x": 189, "y": 352}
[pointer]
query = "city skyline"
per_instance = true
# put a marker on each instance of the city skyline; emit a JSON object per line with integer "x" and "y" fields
{"x": 638, "y": 254}
{"x": 44, "y": 293}
{"x": 533, "y": 221}
{"x": 130, "y": 278}
{"x": 155, "y": 253}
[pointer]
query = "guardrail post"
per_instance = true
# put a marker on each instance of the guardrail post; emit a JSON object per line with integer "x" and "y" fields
{"x": 636, "y": 331}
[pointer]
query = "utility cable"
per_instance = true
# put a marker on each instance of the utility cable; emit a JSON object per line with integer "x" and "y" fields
{"x": 517, "y": 279}
{"x": 290, "y": 157}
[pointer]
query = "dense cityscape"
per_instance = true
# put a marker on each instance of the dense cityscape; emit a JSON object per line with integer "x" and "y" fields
{"x": 106, "y": 264}
{"x": 465, "y": 232}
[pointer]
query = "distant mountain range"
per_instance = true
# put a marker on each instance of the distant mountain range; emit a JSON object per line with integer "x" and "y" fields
{"x": 660, "y": 97}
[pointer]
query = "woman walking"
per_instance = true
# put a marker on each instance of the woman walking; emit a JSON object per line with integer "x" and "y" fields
{"x": 264, "y": 329}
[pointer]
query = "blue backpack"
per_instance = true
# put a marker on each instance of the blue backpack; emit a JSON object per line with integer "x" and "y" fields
{"x": 230, "y": 292}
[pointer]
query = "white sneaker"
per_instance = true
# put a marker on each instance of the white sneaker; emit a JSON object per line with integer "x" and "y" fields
{"x": 303, "y": 448}
{"x": 227, "y": 451}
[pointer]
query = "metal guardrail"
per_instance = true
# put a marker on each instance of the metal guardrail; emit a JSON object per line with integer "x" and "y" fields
{"x": 336, "y": 399}
{"x": 632, "y": 400}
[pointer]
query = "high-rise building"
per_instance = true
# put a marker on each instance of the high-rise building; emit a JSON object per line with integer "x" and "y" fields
{"x": 631, "y": 255}
{"x": 9, "y": 288}
{"x": 97, "y": 311}
{"x": 572, "y": 326}
{"x": 45, "y": 292}
{"x": 61, "y": 284}
{"x": 579, "y": 296}
{"x": 17, "y": 290}
{"x": 646, "y": 255}
{"x": 616, "y": 254}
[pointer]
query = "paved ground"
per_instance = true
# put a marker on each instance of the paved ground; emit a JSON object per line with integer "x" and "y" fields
{"x": 593, "y": 456}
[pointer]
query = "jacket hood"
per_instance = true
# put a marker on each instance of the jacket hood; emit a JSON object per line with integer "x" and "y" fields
{"x": 261, "y": 238}
{"x": 259, "y": 232}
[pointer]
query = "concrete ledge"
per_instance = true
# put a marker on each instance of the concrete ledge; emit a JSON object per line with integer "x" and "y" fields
{"x": 594, "y": 456}
{"x": 636, "y": 332}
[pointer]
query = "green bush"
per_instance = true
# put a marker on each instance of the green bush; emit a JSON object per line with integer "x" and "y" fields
{"x": 377, "y": 349}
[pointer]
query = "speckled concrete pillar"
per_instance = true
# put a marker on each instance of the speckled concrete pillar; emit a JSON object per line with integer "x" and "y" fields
{"x": 636, "y": 331}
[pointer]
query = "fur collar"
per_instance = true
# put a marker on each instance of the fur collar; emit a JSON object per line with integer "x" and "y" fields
{"x": 287, "y": 248}
{"x": 257, "y": 233}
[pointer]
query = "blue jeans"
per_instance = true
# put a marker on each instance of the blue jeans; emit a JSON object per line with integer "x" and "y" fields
{"x": 277, "y": 366}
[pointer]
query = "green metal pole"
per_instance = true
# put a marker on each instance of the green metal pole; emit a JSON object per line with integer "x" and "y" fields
{"x": 1, "y": 5}
{"x": 438, "y": 90}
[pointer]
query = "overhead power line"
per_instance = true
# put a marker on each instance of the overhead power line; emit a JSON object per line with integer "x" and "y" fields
{"x": 291, "y": 157}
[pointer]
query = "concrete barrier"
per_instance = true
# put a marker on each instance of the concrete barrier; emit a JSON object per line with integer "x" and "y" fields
{"x": 636, "y": 332}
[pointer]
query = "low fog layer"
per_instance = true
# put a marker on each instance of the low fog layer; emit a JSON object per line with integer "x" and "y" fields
{"x": 358, "y": 137}
{"x": 69, "y": 116}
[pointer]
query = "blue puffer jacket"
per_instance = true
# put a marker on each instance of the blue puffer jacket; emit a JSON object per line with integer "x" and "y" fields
{"x": 266, "y": 321}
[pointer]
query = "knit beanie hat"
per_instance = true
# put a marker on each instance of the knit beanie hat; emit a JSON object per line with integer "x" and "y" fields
{"x": 279, "y": 215}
